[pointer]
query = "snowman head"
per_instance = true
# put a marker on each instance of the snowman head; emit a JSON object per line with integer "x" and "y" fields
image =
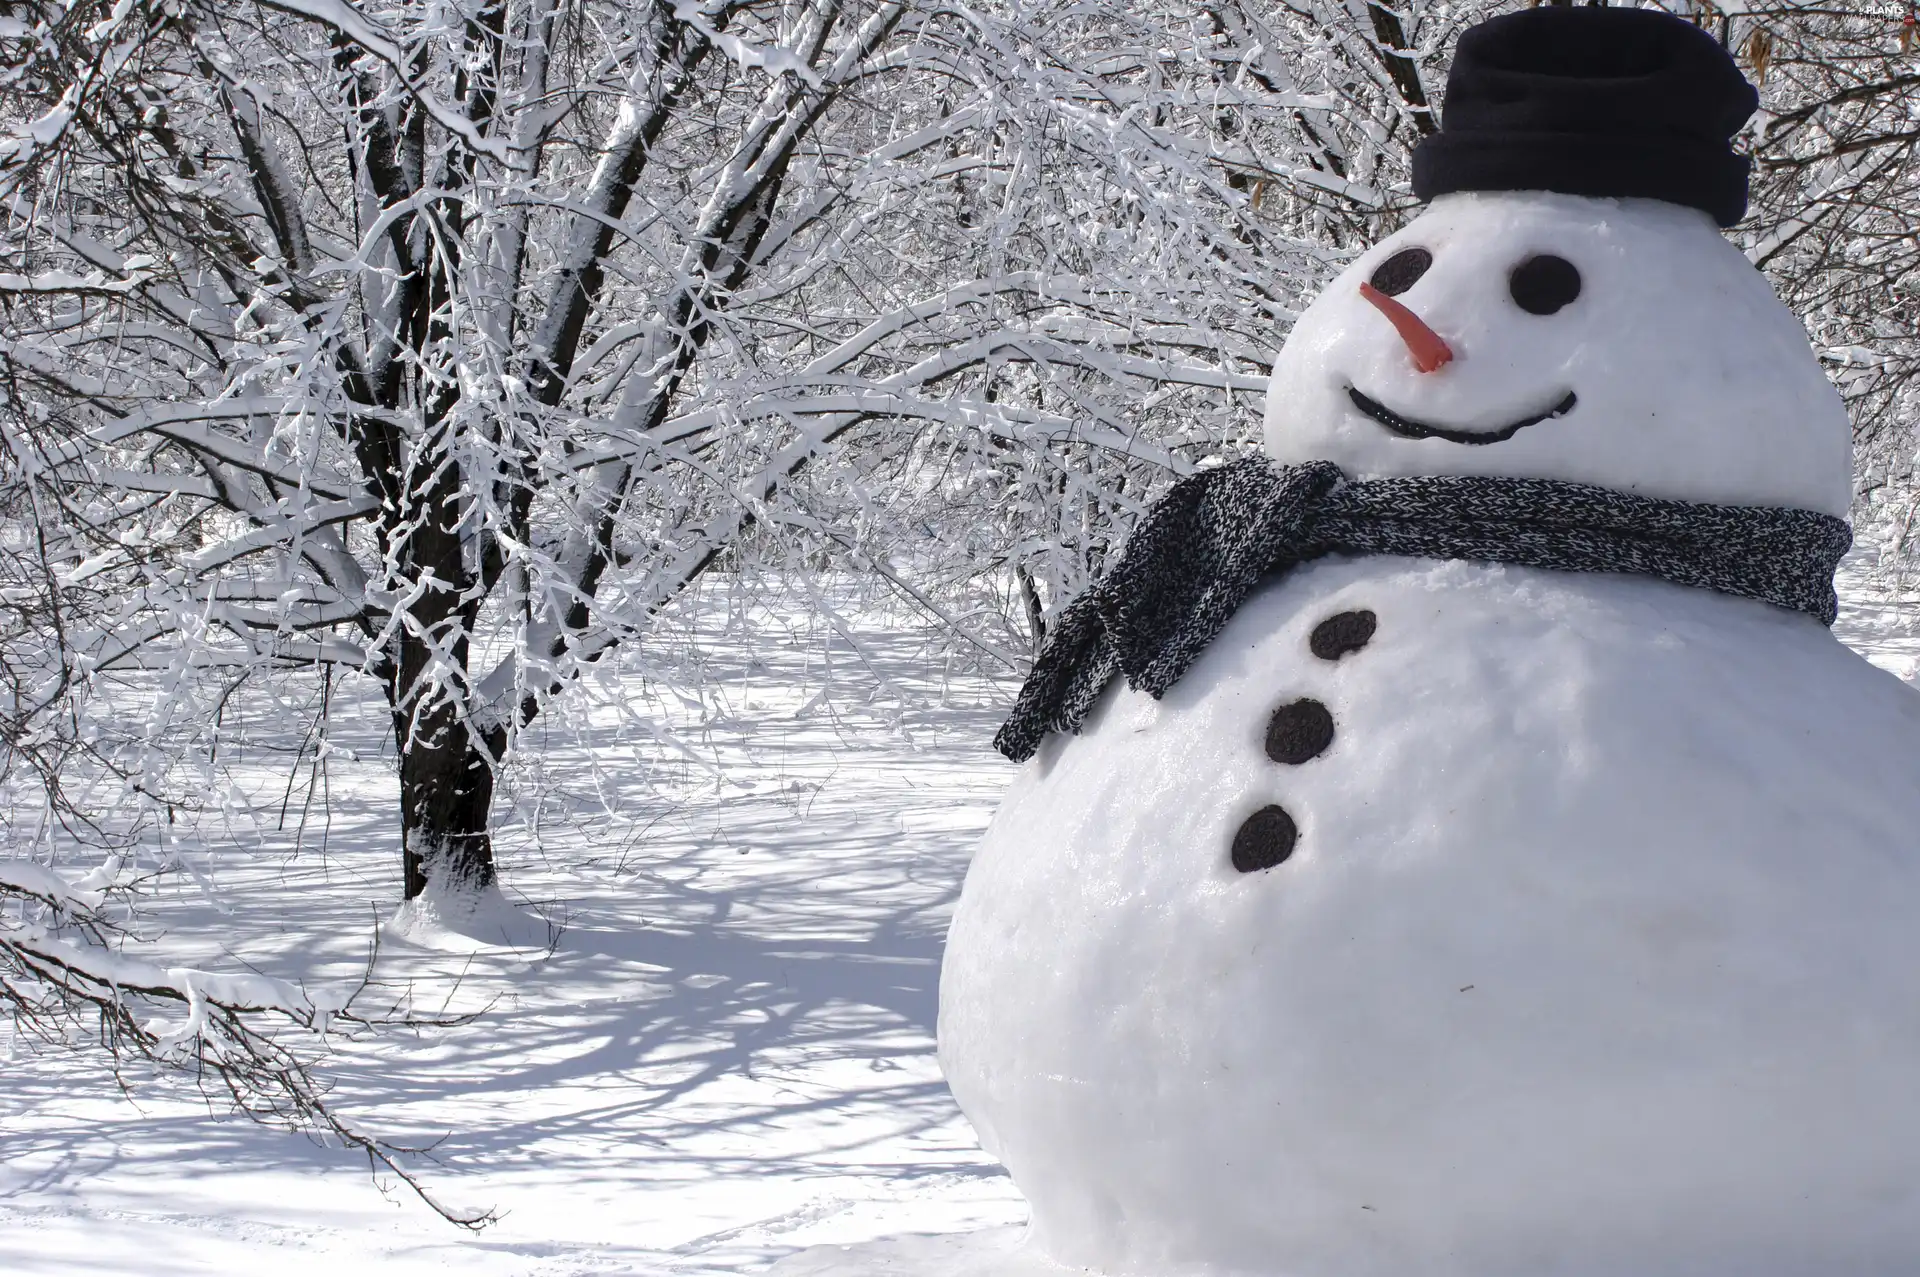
{"x": 1567, "y": 309}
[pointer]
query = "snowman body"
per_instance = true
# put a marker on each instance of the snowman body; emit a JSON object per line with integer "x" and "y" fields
{"x": 1595, "y": 947}
{"x": 1596, "y": 953}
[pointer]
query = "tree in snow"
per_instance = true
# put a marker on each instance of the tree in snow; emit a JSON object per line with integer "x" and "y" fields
{"x": 450, "y": 343}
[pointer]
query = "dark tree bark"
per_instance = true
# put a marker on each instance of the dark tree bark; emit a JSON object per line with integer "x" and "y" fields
{"x": 446, "y": 798}
{"x": 1395, "y": 55}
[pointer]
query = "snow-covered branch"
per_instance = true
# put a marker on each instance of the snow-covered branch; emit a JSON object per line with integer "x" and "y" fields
{"x": 247, "y": 1040}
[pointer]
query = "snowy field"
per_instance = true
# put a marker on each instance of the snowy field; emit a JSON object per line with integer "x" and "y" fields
{"x": 721, "y": 1053}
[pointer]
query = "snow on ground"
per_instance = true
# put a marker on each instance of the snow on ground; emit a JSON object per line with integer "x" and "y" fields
{"x": 1880, "y": 624}
{"x": 727, "y": 1053}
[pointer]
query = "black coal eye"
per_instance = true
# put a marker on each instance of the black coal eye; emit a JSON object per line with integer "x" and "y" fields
{"x": 1541, "y": 285}
{"x": 1401, "y": 271}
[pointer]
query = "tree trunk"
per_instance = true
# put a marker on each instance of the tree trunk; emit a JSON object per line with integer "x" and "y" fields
{"x": 446, "y": 794}
{"x": 446, "y": 762}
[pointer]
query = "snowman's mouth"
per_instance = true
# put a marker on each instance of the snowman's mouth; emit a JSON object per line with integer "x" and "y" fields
{"x": 1408, "y": 428}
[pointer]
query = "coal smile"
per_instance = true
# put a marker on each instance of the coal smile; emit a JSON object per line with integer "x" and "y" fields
{"x": 1408, "y": 428}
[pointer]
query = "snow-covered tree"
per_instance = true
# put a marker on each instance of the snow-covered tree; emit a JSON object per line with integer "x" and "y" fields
{"x": 1836, "y": 197}
{"x": 449, "y": 342}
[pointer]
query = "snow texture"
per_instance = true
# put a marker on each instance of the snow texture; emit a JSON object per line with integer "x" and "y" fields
{"x": 990, "y": 1253}
{"x": 453, "y": 920}
{"x": 1693, "y": 381}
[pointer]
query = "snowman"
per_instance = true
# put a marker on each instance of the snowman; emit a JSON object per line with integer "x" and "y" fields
{"x": 1454, "y": 843}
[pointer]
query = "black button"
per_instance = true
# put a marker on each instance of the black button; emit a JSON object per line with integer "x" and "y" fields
{"x": 1265, "y": 840}
{"x": 1299, "y": 731}
{"x": 1341, "y": 633}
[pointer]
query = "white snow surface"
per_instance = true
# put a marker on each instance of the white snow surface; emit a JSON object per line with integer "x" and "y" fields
{"x": 1596, "y": 955}
{"x": 459, "y": 921}
{"x": 1693, "y": 381}
{"x": 726, "y": 1058}
{"x": 750, "y": 852}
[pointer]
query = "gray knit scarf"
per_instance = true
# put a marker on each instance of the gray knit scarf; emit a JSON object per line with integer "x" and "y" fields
{"x": 1202, "y": 549}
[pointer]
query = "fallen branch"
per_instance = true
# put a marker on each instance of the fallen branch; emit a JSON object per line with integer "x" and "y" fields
{"x": 67, "y": 982}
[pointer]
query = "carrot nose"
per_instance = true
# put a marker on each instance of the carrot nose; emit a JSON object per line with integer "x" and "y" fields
{"x": 1429, "y": 352}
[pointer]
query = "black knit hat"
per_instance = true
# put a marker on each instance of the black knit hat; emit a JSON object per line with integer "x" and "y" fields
{"x": 1607, "y": 102}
